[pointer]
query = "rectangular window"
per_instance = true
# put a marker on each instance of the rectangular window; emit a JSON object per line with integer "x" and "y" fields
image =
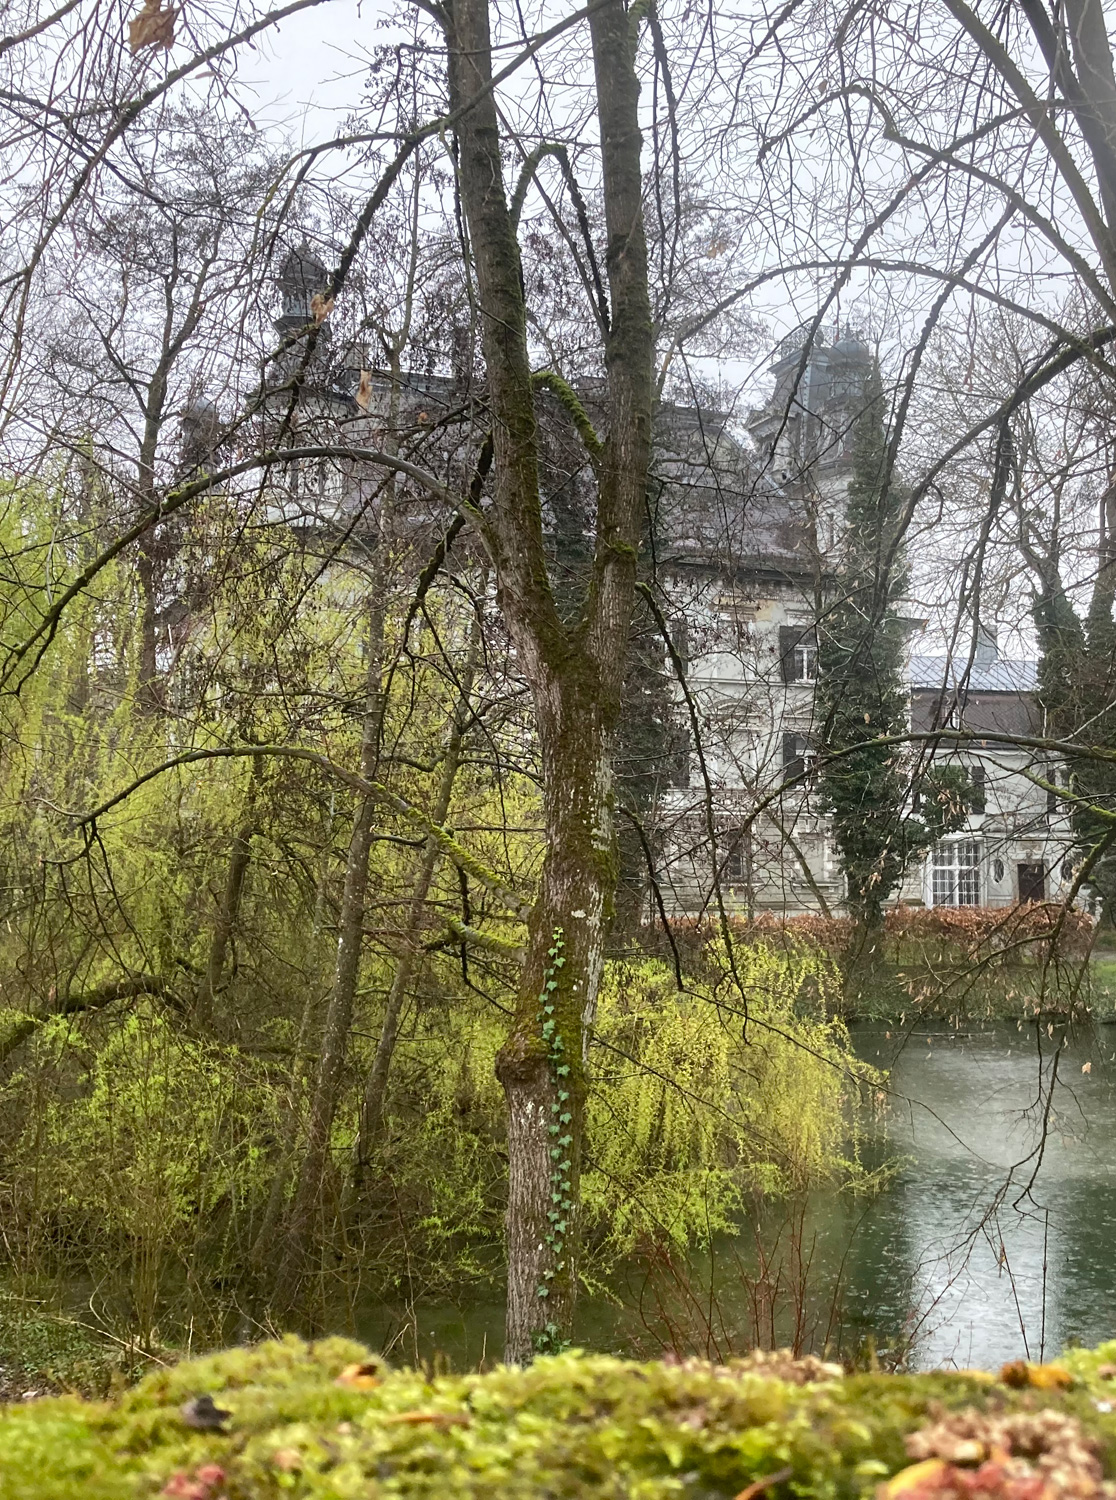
{"x": 798, "y": 653}
{"x": 796, "y": 756}
{"x": 978, "y": 789}
{"x": 678, "y": 756}
{"x": 734, "y": 856}
{"x": 955, "y": 874}
{"x": 805, "y": 664}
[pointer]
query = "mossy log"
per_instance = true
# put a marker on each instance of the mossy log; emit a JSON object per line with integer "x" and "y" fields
{"x": 329, "y": 1420}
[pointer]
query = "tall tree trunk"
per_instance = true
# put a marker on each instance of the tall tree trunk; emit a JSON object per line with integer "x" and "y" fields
{"x": 375, "y": 1089}
{"x": 543, "y": 1075}
{"x": 575, "y": 671}
{"x": 147, "y": 673}
{"x": 260, "y": 1279}
{"x": 259, "y": 1273}
{"x": 228, "y": 912}
{"x": 223, "y": 927}
{"x": 326, "y": 1093}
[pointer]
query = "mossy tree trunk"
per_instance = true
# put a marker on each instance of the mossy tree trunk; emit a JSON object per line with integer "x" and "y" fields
{"x": 575, "y": 667}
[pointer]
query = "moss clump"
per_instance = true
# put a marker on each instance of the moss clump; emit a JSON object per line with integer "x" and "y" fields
{"x": 574, "y": 1425}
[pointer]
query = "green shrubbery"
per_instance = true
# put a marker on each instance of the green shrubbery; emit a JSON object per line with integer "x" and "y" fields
{"x": 146, "y": 1155}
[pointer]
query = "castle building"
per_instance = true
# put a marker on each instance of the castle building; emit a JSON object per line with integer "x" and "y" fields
{"x": 751, "y": 566}
{"x": 746, "y": 543}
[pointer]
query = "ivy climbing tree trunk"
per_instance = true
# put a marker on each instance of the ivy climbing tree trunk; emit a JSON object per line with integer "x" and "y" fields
{"x": 862, "y": 705}
{"x": 574, "y": 664}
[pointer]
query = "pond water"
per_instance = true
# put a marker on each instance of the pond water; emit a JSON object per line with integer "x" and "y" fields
{"x": 995, "y": 1238}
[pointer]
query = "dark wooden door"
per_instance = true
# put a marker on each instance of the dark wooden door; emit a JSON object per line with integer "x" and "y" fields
{"x": 1032, "y": 882}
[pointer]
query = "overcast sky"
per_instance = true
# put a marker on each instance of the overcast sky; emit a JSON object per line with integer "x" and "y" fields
{"x": 309, "y": 72}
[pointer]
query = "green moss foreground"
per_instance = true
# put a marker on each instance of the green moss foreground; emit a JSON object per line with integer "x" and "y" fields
{"x": 574, "y": 1425}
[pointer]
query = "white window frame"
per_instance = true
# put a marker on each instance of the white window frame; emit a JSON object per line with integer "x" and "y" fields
{"x": 804, "y": 662}
{"x": 955, "y": 873}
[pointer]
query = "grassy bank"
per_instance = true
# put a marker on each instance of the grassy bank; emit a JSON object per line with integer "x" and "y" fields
{"x": 326, "y": 1421}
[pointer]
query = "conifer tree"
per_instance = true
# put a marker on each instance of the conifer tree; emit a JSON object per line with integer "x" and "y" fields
{"x": 862, "y": 697}
{"x": 1077, "y": 669}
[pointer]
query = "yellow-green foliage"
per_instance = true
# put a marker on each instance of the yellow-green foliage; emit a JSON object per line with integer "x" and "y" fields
{"x": 442, "y": 1189}
{"x": 144, "y": 1134}
{"x": 573, "y": 1426}
{"x": 173, "y": 1124}
{"x": 134, "y": 1163}
{"x": 688, "y": 1113}
{"x": 135, "y": 1136}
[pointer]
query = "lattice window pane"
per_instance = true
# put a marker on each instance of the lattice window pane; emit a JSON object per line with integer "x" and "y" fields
{"x": 955, "y": 874}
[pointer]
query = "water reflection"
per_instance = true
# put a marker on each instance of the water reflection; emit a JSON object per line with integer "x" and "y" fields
{"x": 999, "y": 1231}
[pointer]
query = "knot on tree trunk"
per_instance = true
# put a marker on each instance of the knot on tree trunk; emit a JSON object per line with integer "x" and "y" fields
{"x": 522, "y": 1060}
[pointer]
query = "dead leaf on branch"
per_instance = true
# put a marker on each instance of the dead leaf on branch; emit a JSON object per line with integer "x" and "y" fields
{"x": 152, "y": 27}
{"x": 320, "y": 307}
{"x": 364, "y": 390}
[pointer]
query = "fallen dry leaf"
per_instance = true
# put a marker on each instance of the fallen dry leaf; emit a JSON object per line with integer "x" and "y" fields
{"x": 152, "y": 27}
{"x": 289, "y": 1460}
{"x": 758, "y": 1486}
{"x": 1020, "y": 1374}
{"x": 362, "y": 1377}
{"x": 1086, "y": 1067}
{"x": 430, "y": 1418}
{"x": 914, "y": 1476}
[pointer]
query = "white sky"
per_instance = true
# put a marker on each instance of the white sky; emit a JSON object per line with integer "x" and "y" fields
{"x": 308, "y": 73}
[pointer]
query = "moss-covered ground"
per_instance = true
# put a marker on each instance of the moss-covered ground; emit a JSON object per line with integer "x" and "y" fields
{"x": 573, "y": 1425}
